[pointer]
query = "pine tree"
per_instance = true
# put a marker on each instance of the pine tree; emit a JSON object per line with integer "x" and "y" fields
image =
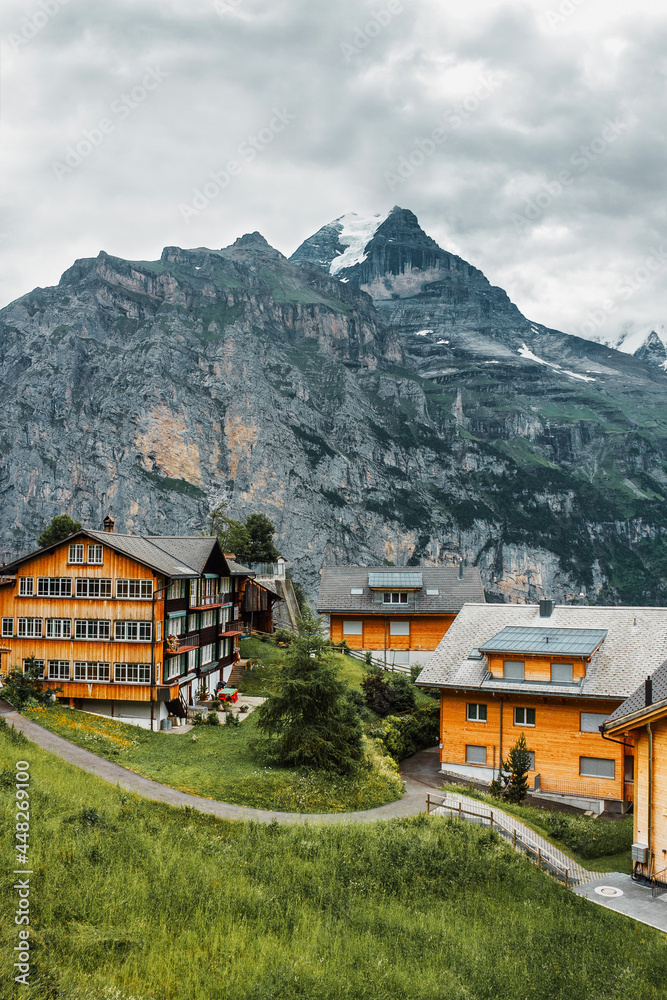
{"x": 61, "y": 527}
{"x": 311, "y": 719}
{"x": 514, "y": 771}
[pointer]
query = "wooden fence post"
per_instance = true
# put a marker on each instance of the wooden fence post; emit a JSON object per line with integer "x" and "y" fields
{"x": 491, "y": 825}
{"x": 428, "y": 803}
{"x": 566, "y": 878}
{"x": 539, "y": 857}
{"x": 460, "y": 810}
{"x": 514, "y": 839}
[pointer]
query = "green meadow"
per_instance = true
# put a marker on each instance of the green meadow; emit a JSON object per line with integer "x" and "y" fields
{"x": 133, "y": 899}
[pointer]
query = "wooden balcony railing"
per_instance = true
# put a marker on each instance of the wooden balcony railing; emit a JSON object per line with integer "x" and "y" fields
{"x": 231, "y": 628}
{"x": 213, "y": 600}
{"x": 175, "y": 644}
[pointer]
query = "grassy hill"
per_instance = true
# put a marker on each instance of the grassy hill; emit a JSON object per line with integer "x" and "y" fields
{"x": 132, "y": 899}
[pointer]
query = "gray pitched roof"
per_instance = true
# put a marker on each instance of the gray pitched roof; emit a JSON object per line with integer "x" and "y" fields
{"x": 237, "y": 569}
{"x": 176, "y": 556}
{"x": 337, "y": 581}
{"x": 635, "y": 645}
{"x": 637, "y": 700}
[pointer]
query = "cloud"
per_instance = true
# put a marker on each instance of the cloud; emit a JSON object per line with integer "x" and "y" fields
{"x": 520, "y": 91}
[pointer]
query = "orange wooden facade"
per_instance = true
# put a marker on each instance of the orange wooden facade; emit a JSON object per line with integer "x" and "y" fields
{"x": 650, "y": 767}
{"x": 559, "y": 738}
{"x": 55, "y": 564}
{"x": 425, "y": 631}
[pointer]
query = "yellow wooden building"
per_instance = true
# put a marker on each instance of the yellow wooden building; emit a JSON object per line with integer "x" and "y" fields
{"x": 398, "y": 615}
{"x": 640, "y": 725}
{"x": 554, "y": 673}
{"x": 124, "y": 625}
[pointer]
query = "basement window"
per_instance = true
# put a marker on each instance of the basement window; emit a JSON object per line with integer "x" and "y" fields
{"x": 475, "y": 755}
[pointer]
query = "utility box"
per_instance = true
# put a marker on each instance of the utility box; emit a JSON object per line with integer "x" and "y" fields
{"x": 640, "y": 853}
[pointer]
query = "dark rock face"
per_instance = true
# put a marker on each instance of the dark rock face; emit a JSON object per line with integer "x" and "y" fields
{"x": 431, "y": 421}
{"x": 653, "y": 351}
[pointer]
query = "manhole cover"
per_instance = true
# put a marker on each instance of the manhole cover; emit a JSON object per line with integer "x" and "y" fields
{"x": 608, "y": 890}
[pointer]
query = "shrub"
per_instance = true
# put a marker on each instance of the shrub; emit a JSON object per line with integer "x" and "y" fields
{"x": 385, "y": 693}
{"x": 212, "y": 718}
{"x": 24, "y": 687}
{"x": 232, "y": 720}
{"x": 404, "y": 735}
{"x": 591, "y": 838}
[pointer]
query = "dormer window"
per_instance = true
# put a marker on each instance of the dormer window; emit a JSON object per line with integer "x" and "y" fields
{"x": 513, "y": 670}
{"x": 561, "y": 673}
{"x": 395, "y": 597}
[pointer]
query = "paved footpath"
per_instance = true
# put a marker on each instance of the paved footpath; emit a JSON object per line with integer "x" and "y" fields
{"x": 412, "y": 803}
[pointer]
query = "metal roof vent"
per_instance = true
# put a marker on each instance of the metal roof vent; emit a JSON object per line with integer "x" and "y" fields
{"x": 648, "y": 692}
{"x": 461, "y": 570}
{"x": 546, "y": 609}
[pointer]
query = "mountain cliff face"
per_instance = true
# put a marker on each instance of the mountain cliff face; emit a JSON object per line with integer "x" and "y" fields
{"x": 375, "y": 396}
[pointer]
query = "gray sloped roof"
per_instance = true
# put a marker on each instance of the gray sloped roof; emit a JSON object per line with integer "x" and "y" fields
{"x": 637, "y": 700}
{"x": 237, "y": 569}
{"x": 635, "y": 646}
{"x": 173, "y": 555}
{"x": 337, "y": 581}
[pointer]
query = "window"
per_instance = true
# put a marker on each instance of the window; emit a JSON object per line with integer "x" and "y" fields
{"x": 513, "y": 670}
{"x": 597, "y": 767}
{"x": 475, "y": 755}
{"x": 590, "y": 722}
{"x": 7, "y": 626}
{"x": 176, "y": 590}
{"x": 134, "y": 631}
{"x": 132, "y": 673}
{"x": 207, "y": 654}
{"x": 194, "y": 593}
{"x": 172, "y": 667}
{"x": 158, "y": 631}
{"x": 91, "y": 628}
{"x": 58, "y": 628}
{"x": 59, "y": 670}
{"x": 629, "y": 770}
{"x": 352, "y": 628}
{"x": 432, "y": 592}
{"x": 26, "y": 586}
{"x": 95, "y": 555}
{"x": 357, "y": 591}
{"x": 175, "y": 626}
{"x": 76, "y": 554}
{"x": 399, "y": 628}
{"x": 39, "y": 664}
{"x": 561, "y": 673}
{"x": 192, "y": 660}
{"x": 531, "y": 754}
{"x": 476, "y": 713}
{"x": 192, "y": 623}
{"x": 207, "y": 619}
{"x": 89, "y": 587}
{"x": 30, "y": 628}
{"x": 54, "y": 586}
{"x": 84, "y": 670}
{"x": 524, "y": 716}
{"x": 143, "y": 589}
{"x": 395, "y": 597}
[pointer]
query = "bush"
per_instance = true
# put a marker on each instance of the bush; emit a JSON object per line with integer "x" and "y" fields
{"x": 232, "y": 720}
{"x": 404, "y": 735}
{"x": 591, "y": 838}
{"x": 24, "y": 687}
{"x": 388, "y": 693}
{"x": 212, "y": 718}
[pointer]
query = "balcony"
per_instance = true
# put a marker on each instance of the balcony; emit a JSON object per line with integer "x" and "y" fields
{"x": 212, "y": 601}
{"x": 174, "y": 644}
{"x": 231, "y": 628}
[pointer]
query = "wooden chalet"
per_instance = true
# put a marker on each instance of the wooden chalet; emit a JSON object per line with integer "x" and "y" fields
{"x": 398, "y": 615}
{"x": 129, "y": 626}
{"x": 640, "y": 727}
{"x": 554, "y": 673}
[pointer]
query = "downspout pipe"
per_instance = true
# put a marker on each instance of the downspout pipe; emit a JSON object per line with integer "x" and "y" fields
{"x": 650, "y": 794}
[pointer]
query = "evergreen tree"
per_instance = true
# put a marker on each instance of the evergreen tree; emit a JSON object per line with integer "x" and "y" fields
{"x": 62, "y": 526}
{"x": 310, "y": 720}
{"x": 251, "y": 540}
{"x": 261, "y": 531}
{"x": 512, "y": 782}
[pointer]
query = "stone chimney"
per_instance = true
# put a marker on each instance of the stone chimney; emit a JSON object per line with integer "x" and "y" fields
{"x": 109, "y": 524}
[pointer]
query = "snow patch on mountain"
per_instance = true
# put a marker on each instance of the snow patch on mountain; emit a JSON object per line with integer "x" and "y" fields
{"x": 355, "y": 234}
{"x": 632, "y": 338}
{"x": 525, "y": 352}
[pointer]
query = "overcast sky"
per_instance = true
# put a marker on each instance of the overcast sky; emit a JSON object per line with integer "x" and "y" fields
{"x": 547, "y": 169}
